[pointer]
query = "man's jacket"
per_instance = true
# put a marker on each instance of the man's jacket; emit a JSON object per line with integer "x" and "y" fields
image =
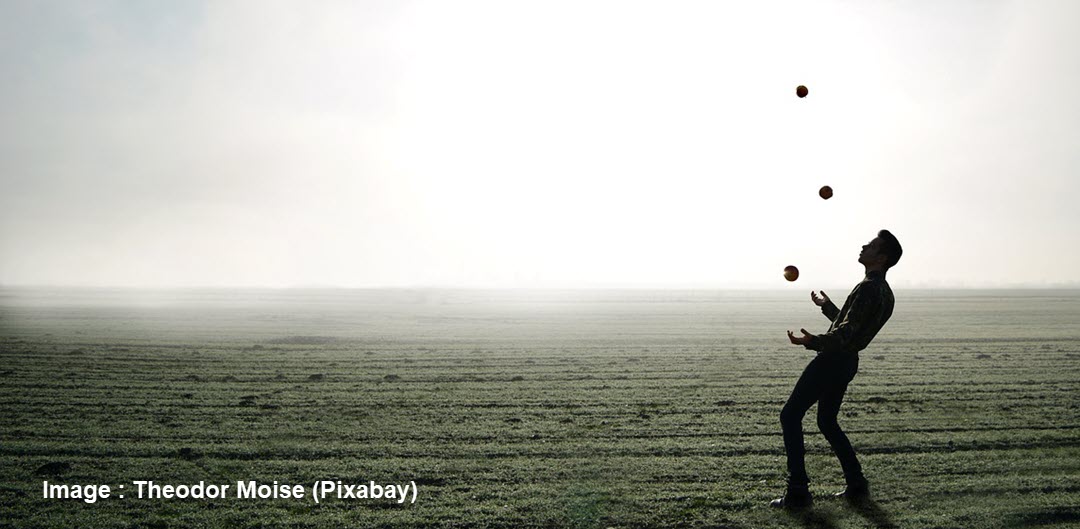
{"x": 865, "y": 312}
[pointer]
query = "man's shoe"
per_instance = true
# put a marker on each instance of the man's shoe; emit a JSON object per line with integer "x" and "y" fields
{"x": 855, "y": 491}
{"x": 793, "y": 500}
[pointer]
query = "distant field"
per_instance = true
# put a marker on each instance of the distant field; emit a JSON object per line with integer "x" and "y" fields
{"x": 531, "y": 409}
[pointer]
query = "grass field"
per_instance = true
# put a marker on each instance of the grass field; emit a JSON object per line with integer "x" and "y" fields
{"x": 531, "y": 409}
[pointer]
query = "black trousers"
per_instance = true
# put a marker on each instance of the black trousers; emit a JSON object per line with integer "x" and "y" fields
{"x": 823, "y": 381}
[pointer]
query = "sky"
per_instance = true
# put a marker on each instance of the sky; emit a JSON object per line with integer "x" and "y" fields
{"x": 537, "y": 144}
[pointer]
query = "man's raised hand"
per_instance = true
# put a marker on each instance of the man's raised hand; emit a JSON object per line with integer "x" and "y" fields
{"x": 800, "y": 340}
{"x": 819, "y": 301}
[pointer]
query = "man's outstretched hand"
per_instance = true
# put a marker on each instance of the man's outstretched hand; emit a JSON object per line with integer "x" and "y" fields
{"x": 800, "y": 340}
{"x": 819, "y": 301}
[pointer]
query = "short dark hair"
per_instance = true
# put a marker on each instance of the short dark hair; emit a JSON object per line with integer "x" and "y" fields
{"x": 891, "y": 247}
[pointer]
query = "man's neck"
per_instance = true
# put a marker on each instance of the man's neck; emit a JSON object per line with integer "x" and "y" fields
{"x": 875, "y": 271}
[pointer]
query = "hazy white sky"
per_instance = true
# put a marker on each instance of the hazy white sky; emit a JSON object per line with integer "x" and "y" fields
{"x": 535, "y": 144}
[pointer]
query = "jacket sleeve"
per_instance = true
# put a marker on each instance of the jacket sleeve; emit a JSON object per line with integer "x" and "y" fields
{"x": 865, "y": 310}
{"x": 829, "y": 310}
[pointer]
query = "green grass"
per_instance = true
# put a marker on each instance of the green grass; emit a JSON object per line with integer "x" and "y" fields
{"x": 639, "y": 411}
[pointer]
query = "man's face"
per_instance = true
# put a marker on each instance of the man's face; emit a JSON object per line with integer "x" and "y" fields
{"x": 871, "y": 253}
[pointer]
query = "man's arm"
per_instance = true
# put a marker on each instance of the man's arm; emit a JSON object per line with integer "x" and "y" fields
{"x": 829, "y": 310}
{"x": 865, "y": 310}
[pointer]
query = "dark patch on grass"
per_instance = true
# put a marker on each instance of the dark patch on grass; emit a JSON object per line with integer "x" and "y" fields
{"x": 814, "y": 518}
{"x": 1045, "y": 516}
{"x": 317, "y": 377}
{"x": 53, "y": 468}
{"x": 188, "y": 453}
{"x": 10, "y": 491}
{"x": 517, "y": 378}
{"x": 391, "y": 378}
{"x": 869, "y": 509}
{"x": 982, "y": 356}
{"x": 431, "y": 482}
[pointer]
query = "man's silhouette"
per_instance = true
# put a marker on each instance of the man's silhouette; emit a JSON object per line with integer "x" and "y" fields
{"x": 826, "y": 378}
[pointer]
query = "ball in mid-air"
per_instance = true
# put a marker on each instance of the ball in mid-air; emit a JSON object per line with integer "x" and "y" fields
{"x": 825, "y": 192}
{"x": 801, "y": 91}
{"x": 791, "y": 273}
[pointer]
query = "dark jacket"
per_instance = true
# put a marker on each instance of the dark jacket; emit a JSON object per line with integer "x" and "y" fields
{"x": 865, "y": 312}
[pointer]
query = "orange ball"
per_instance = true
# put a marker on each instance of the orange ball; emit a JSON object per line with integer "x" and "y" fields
{"x": 791, "y": 273}
{"x": 825, "y": 192}
{"x": 801, "y": 91}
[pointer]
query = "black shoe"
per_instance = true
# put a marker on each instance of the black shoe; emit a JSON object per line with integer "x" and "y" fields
{"x": 857, "y": 491}
{"x": 794, "y": 500}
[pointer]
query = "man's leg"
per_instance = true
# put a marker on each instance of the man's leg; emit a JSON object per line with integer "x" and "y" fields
{"x": 805, "y": 393}
{"x": 828, "y": 410}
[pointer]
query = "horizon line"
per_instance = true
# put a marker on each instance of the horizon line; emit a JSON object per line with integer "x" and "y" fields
{"x": 1013, "y": 286}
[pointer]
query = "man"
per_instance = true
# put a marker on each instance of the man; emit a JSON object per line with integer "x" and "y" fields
{"x": 826, "y": 378}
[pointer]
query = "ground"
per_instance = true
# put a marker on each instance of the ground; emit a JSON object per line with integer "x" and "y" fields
{"x": 660, "y": 411}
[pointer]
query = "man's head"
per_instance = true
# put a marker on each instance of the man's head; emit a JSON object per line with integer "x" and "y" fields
{"x": 881, "y": 253}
